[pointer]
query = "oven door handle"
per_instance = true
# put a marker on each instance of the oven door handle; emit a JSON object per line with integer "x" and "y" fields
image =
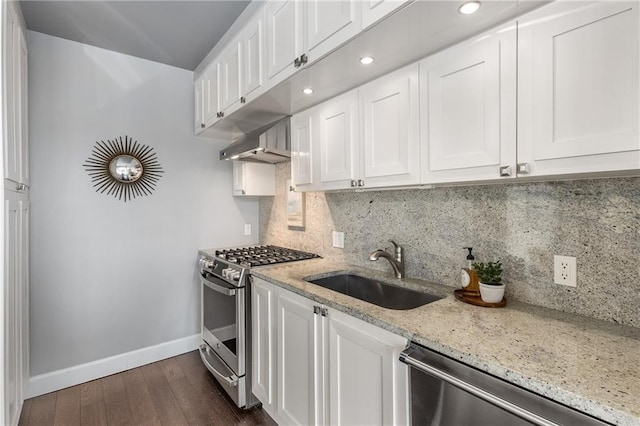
{"x": 217, "y": 287}
{"x": 230, "y": 381}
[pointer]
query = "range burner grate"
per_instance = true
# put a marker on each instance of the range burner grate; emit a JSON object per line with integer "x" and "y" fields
{"x": 263, "y": 255}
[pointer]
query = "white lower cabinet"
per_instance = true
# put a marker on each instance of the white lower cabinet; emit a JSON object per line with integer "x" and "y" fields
{"x": 15, "y": 307}
{"x": 329, "y": 367}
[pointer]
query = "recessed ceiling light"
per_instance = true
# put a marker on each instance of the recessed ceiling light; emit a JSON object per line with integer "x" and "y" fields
{"x": 469, "y": 7}
{"x": 307, "y": 90}
{"x": 366, "y": 60}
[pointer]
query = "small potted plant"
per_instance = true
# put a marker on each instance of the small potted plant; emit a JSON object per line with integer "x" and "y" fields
{"x": 491, "y": 286}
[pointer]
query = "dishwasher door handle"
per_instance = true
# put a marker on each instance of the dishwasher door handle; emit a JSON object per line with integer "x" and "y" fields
{"x": 476, "y": 391}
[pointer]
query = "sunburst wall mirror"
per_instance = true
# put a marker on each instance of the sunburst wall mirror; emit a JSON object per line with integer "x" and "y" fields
{"x": 123, "y": 168}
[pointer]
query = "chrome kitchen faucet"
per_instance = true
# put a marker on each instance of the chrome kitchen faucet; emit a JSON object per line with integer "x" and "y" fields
{"x": 397, "y": 261}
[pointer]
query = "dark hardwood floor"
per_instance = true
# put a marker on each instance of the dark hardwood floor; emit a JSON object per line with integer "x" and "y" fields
{"x": 175, "y": 391}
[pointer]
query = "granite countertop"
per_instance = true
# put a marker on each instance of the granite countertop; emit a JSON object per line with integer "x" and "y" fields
{"x": 590, "y": 365}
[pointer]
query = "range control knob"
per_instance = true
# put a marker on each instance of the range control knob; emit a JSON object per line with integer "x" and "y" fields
{"x": 234, "y": 275}
{"x": 206, "y": 263}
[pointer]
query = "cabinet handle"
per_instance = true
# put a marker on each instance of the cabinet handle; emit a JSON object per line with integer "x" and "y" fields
{"x": 303, "y": 59}
{"x": 353, "y": 183}
{"x": 202, "y": 125}
{"x": 316, "y": 310}
{"x": 324, "y": 312}
{"x": 360, "y": 182}
{"x": 221, "y": 114}
{"x": 505, "y": 171}
{"x": 218, "y": 114}
{"x": 524, "y": 169}
{"x": 243, "y": 100}
{"x": 292, "y": 188}
{"x": 296, "y": 63}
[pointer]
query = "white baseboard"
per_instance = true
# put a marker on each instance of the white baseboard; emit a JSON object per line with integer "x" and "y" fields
{"x": 56, "y": 380}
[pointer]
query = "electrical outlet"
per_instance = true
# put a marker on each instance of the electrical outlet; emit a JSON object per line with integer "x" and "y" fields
{"x": 564, "y": 270}
{"x": 247, "y": 229}
{"x": 338, "y": 239}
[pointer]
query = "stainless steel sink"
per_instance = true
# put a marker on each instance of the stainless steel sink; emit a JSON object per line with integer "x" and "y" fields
{"x": 374, "y": 291}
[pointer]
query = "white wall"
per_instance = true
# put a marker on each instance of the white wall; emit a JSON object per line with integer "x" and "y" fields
{"x": 107, "y": 277}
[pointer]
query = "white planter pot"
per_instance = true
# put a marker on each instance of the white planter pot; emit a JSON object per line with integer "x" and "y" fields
{"x": 491, "y": 293}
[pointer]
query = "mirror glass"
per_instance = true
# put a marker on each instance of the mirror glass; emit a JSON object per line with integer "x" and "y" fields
{"x": 125, "y": 168}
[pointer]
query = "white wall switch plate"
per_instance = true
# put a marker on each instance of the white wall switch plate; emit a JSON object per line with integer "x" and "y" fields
{"x": 565, "y": 270}
{"x": 247, "y": 229}
{"x": 338, "y": 239}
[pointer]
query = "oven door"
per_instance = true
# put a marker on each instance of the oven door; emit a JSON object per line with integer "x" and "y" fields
{"x": 223, "y": 321}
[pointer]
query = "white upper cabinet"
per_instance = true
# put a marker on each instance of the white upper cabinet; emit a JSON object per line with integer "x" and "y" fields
{"x": 253, "y": 179}
{"x": 252, "y": 60}
{"x": 16, "y": 143}
{"x": 329, "y": 24}
{"x": 198, "y": 97}
{"x": 301, "y": 155}
{"x": 231, "y": 77}
{"x": 390, "y": 130}
{"x": 22, "y": 123}
{"x": 338, "y": 141}
{"x": 211, "y": 94}
{"x": 301, "y": 32}
{"x": 368, "y": 137}
{"x": 375, "y": 10}
{"x": 468, "y": 110}
{"x": 578, "y": 88}
{"x": 284, "y": 39}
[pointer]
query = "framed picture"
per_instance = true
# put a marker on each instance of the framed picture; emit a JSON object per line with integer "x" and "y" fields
{"x": 295, "y": 208}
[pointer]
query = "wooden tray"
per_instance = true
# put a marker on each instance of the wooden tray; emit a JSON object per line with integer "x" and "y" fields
{"x": 476, "y": 300}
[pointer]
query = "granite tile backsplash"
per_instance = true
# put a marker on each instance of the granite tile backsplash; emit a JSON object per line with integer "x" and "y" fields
{"x": 522, "y": 224}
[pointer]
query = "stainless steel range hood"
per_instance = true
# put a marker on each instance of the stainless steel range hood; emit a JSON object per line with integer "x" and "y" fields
{"x": 269, "y": 144}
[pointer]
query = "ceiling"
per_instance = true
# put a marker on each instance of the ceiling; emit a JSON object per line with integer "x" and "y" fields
{"x": 177, "y": 33}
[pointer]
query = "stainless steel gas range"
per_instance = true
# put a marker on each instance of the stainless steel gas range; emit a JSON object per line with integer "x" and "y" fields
{"x": 226, "y": 313}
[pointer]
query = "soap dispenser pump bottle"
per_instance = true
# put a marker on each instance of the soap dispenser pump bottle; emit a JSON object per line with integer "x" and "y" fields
{"x": 469, "y": 277}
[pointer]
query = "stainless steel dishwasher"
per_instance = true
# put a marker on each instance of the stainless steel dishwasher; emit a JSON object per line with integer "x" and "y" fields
{"x": 445, "y": 392}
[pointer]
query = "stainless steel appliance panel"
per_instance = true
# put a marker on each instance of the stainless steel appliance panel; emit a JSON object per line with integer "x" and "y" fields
{"x": 223, "y": 320}
{"x": 234, "y": 386}
{"x": 445, "y": 392}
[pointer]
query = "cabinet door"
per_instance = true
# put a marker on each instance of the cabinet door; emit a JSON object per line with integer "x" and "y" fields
{"x": 390, "y": 139}
{"x": 12, "y": 312}
{"x": 252, "y": 63}
{"x": 22, "y": 122}
{"x": 367, "y": 382}
{"x": 230, "y": 77}
{"x": 198, "y": 110}
{"x": 263, "y": 328}
{"x": 22, "y": 303}
{"x": 212, "y": 94}
{"x": 468, "y": 110}
{"x": 299, "y": 337}
{"x": 284, "y": 39}
{"x": 301, "y": 153}
{"x": 375, "y": 10}
{"x": 337, "y": 127}
{"x": 254, "y": 179}
{"x": 578, "y": 88}
{"x": 11, "y": 90}
{"x": 329, "y": 24}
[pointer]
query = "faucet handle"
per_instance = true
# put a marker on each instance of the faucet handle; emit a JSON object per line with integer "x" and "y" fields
{"x": 396, "y": 247}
